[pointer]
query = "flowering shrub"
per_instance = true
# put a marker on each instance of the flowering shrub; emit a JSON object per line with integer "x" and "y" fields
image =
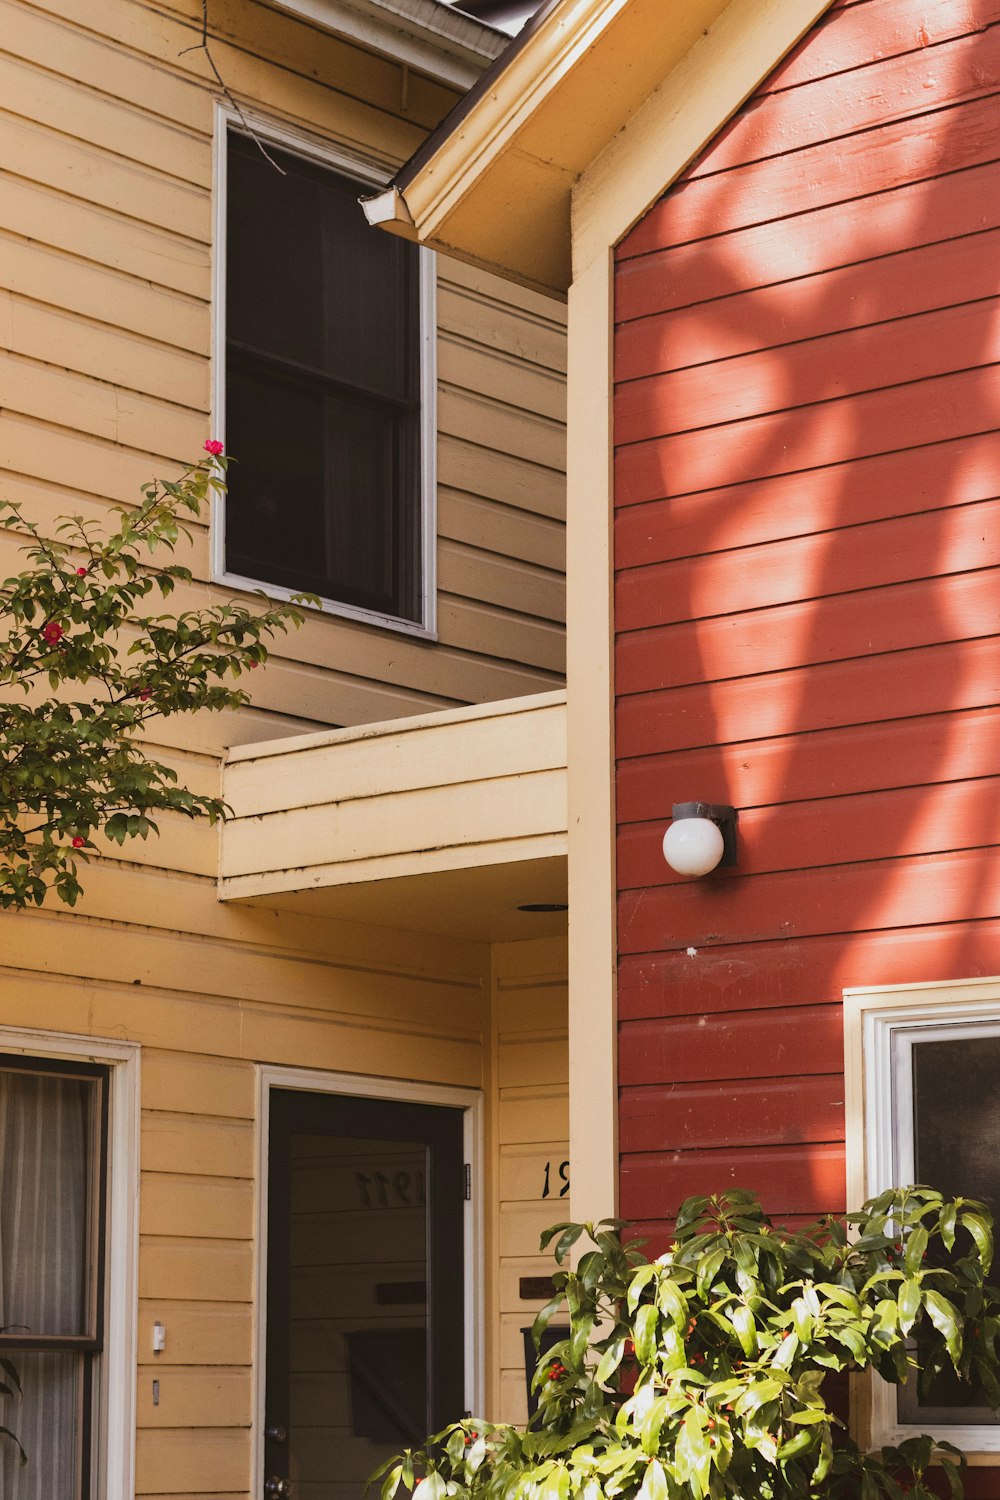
{"x": 73, "y": 761}
{"x": 702, "y": 1373}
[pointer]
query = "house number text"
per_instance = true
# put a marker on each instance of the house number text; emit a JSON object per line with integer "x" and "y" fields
{"x": 551, "y": 1184}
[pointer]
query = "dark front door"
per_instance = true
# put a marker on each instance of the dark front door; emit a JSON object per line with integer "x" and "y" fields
{"x": 365, "y": 1293}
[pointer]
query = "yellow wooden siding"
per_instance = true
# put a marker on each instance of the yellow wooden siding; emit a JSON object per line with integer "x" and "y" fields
{"x": 105, "y": 333}
{"x": 530, "y": 1071}
{"x": 105, "y": 329}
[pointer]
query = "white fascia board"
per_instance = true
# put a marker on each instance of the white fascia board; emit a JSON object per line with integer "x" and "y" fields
{"x": 436, "y": 39}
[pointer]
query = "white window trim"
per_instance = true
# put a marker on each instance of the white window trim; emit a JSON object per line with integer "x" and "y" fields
{"x": 374, "y": 169}
{"x": 116, "y": 1431}
{"x": 468, "y": 1100}
{"x": 879, "y": 1027}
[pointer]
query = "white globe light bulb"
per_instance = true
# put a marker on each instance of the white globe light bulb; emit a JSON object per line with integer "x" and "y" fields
{"x": 693, "y": 846}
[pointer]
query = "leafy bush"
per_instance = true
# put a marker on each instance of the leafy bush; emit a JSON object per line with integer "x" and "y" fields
{"x": 703, "y": 1373}
{"x": 73, "y": 763}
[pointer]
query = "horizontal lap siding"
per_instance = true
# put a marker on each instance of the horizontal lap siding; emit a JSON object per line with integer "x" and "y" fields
{"x": 806, "y": 542}
{"x": 530, "y": 1048}
{"x": 105, "y": 336}
{"x": 105, "y": 332}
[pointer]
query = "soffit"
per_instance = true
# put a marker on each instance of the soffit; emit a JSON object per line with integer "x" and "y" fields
{"x": 499, "y": 172}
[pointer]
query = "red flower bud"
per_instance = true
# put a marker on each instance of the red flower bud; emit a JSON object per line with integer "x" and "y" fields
{"x": 78, "y": 842}
{"x": 81, "y": 572}
{"x": 146, "y": 693}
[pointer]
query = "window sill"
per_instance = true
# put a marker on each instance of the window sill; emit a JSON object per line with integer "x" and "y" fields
{"x": 423, "y": 631}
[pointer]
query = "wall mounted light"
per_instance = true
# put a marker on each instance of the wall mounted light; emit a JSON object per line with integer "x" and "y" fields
{"x": 701, "y": 838}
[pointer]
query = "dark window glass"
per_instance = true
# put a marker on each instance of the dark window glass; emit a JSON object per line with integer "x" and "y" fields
{"x": 956, "y": 1148}
{"x": 322, "y": 388}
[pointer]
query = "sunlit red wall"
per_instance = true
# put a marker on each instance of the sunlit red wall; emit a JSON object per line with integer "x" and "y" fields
{"x": 807, "y": 602}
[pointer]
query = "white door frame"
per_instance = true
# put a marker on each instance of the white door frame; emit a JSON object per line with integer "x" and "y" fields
{"x": 468, "y": 1100}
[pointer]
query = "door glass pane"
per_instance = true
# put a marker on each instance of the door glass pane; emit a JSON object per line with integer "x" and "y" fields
{"x": 47, "y": 1421}
{"x": 365, "y": 1288}
{"x": 358, "y": 1273}
{"x": 46, "y": 1162}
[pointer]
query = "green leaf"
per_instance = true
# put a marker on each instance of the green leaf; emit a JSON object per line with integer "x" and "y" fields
{"x": 609, "y": 1361}
{"x": 649, "y": 1436}
{"x": 647, "y": 1322}
{"x": 948, "y": 1218}
{"x": 654, "y": 1483}
{"x": 672, "y": 1301}
{"x": 640, "y": 1280}
{"x": 916, "y": 1248}
{"x": 910, "y": 1297}
{"x": 945, "y": 1320}
{"x": 981, "y": 1233}
{"x": 434, "y": 1486}
{"x": 746, "y": 1329}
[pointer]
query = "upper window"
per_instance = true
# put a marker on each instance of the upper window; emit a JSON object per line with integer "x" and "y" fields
{"x": 323, "y": 375}
{"x": 52, "y": 1244}
{"x": 932, "y": 1115}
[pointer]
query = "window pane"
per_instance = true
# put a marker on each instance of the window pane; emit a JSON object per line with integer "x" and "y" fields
{"x": 46, "y": 1146}
{"x": 956, "y": 1109}
{"x": 956, "y": 1114}
{"x": 309, "y": 280}
{"x": 321, "y": 509}
{"x": 322, "y": 388}
{"x": 48, "y": 1422}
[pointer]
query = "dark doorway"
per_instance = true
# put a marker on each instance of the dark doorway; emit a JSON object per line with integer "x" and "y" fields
{"x": 365, "y": 1286}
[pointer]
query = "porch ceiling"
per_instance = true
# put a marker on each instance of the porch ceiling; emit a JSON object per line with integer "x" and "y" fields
{"x": 447, "y": 822}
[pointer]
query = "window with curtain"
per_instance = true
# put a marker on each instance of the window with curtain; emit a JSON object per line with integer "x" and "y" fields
{"x": 52, "y": 1152}
{"x": 322, "y": 380}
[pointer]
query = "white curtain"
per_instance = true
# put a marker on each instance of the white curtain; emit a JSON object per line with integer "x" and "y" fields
{"x": 44, "y": 1177}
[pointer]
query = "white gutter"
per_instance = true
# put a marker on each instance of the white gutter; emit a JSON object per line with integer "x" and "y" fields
{"x": 436, "y": 39}
{"x": 389, "y": 207}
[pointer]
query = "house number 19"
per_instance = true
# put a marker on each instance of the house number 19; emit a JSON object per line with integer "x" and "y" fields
{"x": 548, "y": 1187}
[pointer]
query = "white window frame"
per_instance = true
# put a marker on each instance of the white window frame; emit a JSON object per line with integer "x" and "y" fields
{"x": 368, "y": 168}
{"x": 470, "y": 1101}
{"x": 115, "y": 1478}
{"x": 880, "y": 1027}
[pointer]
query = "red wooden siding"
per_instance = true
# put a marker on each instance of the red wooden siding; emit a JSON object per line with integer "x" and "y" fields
{"x": 807, "y": 540}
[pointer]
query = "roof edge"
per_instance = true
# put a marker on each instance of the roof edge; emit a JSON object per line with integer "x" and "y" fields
{"x": 436, "y": 39}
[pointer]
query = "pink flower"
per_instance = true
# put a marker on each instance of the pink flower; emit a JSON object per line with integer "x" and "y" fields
{"x": 78, "y": 842}
{"x": 52, "y": 633}
{"x": 214, "y": 447}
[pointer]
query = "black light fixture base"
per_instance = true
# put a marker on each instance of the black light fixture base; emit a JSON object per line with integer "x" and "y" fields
{"x": 722, "y": 816}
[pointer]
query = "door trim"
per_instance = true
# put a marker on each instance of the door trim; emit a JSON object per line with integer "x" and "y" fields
{"x": 470, "y": 1101}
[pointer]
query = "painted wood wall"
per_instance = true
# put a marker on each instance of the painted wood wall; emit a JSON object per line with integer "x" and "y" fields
{"x": 807, "y": 533}
{"x": 105, "y": 331}
{"x": 105, "y": 323}
{"x": 531, "y": 1150}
